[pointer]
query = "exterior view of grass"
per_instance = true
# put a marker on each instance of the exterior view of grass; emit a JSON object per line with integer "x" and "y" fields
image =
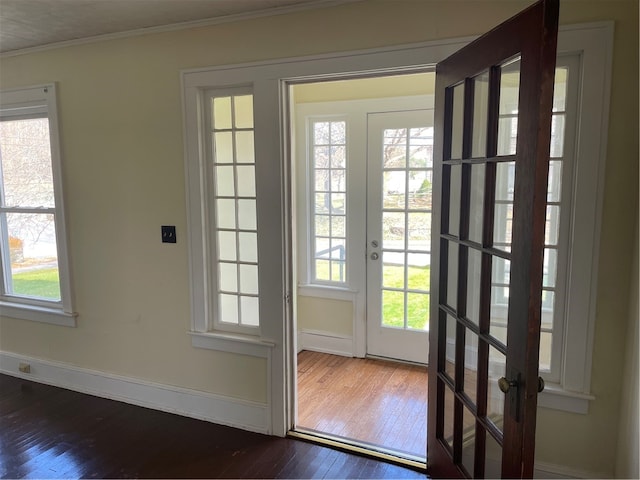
{"x": 40, "y": 283}
{"x": 417, "y": 303}
{"x": 418, "y": 279}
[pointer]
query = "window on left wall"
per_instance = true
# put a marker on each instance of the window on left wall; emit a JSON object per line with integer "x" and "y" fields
{"x": 34, "y": 277}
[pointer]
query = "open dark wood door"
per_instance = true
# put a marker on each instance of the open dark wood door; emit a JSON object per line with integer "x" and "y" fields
{"x": 492, "y": 136}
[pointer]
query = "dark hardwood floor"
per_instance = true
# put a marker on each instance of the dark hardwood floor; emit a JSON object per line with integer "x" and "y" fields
{"x": 49, "y": 432}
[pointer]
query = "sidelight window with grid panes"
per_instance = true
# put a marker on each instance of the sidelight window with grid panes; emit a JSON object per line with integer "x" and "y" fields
{"x": 556, "y": 243}
{"x": 329, "y": 217}
{"x": 555, "y": 234}
{"x": 234, "y": 211}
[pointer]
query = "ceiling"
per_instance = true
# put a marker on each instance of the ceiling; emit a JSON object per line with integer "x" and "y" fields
{"x": 36, "y": 23}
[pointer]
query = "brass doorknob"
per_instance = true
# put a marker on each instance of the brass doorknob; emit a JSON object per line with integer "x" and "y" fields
{"x": 540, "y": 384}
{"x": 505, "y": 385}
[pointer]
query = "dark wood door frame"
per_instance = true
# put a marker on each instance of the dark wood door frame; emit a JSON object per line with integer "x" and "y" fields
{"x": 531, "y": 36}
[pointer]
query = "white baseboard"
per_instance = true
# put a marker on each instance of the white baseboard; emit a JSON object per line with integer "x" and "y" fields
{"x": 550, "y": 470}
{"x": 325, "y": 342}
{"x": 252, "y": 416}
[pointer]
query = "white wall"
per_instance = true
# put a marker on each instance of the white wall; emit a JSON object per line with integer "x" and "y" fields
{"x": 121, "y": 124}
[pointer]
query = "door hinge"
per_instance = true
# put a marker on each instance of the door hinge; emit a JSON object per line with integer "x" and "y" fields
{"x": 287, "y": 298}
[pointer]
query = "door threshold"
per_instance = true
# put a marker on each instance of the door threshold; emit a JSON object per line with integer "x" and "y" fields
{"x": 370, "y": 450}
{"x": 396, "y": 360}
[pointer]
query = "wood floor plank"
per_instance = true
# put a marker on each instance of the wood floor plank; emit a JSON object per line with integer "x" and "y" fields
{"x": 48, "y": 432}
{"x": 372, "y": 401}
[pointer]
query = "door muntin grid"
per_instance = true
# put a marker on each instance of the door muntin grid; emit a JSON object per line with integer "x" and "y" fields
{"x": 407, "y": 175}
{"x": 471, "y": 357}
{"x": 480, "y": 247}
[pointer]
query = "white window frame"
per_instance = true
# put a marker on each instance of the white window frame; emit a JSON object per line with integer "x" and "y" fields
{"x": 311, "y": 204}
{"x": 206, "y": 332}
{"x": 594, "y": 44}
{"x": 568, "y": 381}
{"x": 215, "y": 321}
{"x": 40, "y": 101}
{"x": 562, "y": 246}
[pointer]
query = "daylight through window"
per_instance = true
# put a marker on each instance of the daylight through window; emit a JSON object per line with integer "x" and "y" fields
{"x": 329, "y": 167}
{"x": 34, "y": 281}
{"x": 27, "y": 224}
{"x": 236, "y": 231}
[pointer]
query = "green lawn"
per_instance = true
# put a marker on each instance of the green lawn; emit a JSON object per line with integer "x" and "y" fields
{"x": 41, "y": 283}
{"x": 44, "y": 283}
{"x": 418, "y": 278}
{"x": 417, "y": 303}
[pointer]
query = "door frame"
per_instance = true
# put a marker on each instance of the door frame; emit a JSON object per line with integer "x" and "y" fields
{"x": 276, "y": 343}
{"x": 415, "y": 58}
{"x": 358, "y": 113}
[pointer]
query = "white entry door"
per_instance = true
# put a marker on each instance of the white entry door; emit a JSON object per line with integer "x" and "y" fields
{"x": 399, "y": 178}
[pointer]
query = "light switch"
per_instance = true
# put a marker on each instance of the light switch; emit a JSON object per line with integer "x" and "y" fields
{"x": 168, "y": 234}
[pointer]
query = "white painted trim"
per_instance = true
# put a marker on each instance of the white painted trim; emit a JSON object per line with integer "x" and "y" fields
{"x": 244, "y": 414}
{"x": 551, "y": 470}
{"x": 53, "y": 316}
{"x": 57, "y": 160}
{"x": 315, "y": 66}
{"x": 333, "y": 293}
{"x": 232, "y": 343}
{"x": 394, "y": 57}
{"x": 557, "y": 398}
{"x": 595, "y": 44}
{"x": 207, "y": 22}
{"x": 325, "y": 342}
{"x": 553, "y": 396}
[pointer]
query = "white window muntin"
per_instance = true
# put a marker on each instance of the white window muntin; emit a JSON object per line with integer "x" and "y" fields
{"x": 329, "y": 246}
{"x": 558, "y": 219}
{"x": 38, "y": 102}
{"x": 232, "y": 211}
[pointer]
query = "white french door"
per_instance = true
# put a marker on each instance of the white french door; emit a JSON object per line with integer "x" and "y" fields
{"x": 364, "y": 177}
{"x": 398, "y": 256}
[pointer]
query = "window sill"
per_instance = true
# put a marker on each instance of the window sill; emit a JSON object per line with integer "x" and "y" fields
{"x": 35, "y": 313}
{"x": 232, "y": 343}
{"x": 556, "y": 398}
{"x": 327, "y": 291}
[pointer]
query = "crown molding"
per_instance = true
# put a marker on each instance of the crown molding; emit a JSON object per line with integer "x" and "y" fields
{"x": 207, "y": 22}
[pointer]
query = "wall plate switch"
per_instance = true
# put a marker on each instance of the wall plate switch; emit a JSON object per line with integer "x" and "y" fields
{"x": 168, "y": 234}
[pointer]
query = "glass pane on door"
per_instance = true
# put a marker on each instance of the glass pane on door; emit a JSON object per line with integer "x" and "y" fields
{"x": 480, "y": 115}
{"x": 493, "y": 457}
{"x": 508, "y": 112}
{"x": 406, "y": 227}
{"x": 468, "y": 440}
{"x": 472, "y": 335}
